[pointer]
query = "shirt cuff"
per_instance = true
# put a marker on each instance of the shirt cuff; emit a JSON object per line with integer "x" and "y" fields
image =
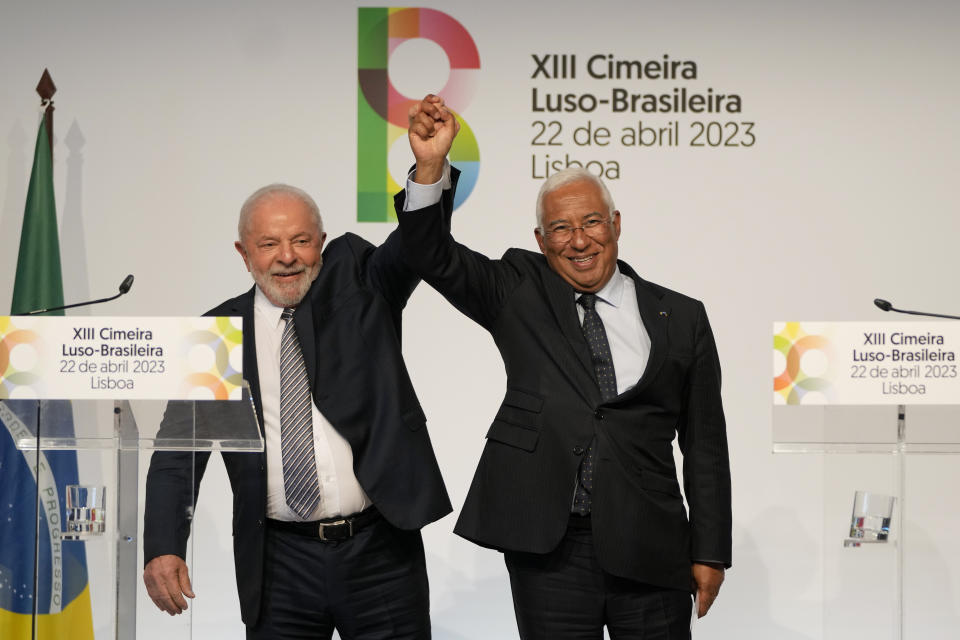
{"x": 424, "y": 195}
{"x": 709, "y": 562}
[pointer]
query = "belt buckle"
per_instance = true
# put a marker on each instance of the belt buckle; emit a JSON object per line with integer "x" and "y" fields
{"x": 335, "y": 523}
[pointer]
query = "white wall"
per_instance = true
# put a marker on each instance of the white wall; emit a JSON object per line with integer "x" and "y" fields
{"x": 169, "y": 114}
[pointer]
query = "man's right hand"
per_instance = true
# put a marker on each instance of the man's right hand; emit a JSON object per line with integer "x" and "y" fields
{"x": 167, "y": 582}
{"x": 432, "y": 130}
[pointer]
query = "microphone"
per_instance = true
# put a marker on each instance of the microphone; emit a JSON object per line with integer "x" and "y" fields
{"x": 884, "y": 305}
{"x": 126, "y": 284}
{"x": 124, "y": 288}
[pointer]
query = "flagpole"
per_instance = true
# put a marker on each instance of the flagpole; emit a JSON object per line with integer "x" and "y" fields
{"x": 45, "y": 89}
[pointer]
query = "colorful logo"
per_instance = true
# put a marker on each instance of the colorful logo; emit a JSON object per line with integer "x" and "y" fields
{"x": 214, "y": 353}
{"x": 801, "y": 364}
{"x": 382, "y": 109}
{"x": 20, "y": 356}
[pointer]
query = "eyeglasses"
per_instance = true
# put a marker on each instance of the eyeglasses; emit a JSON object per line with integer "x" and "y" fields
{"x": 563, "y": 233}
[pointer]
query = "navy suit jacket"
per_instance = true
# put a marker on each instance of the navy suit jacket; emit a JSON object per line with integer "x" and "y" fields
{"x": 522, "y": 492}
{"x": 349, "y": 330}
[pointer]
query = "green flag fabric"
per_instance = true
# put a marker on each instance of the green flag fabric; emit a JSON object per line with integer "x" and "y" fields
{"x": 39, "y": 280}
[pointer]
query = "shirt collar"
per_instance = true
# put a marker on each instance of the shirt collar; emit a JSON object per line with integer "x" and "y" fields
{"x": 269, "y": 310}
{"x": 612, "y": 292}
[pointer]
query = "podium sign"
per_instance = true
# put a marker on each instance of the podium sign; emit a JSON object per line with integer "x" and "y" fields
{"x": 69, "y": 358}
{"x": 866, "y": 363}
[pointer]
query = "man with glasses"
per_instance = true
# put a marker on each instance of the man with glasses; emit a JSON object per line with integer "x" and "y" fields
{"x": 577, "y": 484}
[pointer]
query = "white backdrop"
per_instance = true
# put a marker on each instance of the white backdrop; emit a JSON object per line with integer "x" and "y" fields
{"x": 170, "y": 114}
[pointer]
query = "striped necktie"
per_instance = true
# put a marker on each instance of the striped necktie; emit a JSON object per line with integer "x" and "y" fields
{"x": 596, "y": 337}
{"x": 300, "y": 483}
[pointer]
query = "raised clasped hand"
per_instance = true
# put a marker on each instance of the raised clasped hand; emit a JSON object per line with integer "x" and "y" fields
{"x": 432, "y": 128}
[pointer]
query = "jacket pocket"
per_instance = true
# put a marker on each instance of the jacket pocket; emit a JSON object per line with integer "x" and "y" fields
{"x": 520, "y": 408}
{"x": 514, "y": 435}
{"x": 661, "y": 484}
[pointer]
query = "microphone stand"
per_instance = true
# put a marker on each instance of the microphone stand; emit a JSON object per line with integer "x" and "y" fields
{"x": 124, "y": 287}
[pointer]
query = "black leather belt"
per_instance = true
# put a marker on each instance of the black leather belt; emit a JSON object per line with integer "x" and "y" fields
{"x": 330, "y": 529}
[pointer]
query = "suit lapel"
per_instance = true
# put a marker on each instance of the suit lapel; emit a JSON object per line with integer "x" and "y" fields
{"x": 303, "y": 316}
{"x": 655, "y": 317}
{"x": 562, "y": 303}
{"x": 244, "y": 309}
{"x": 314, "y": 310}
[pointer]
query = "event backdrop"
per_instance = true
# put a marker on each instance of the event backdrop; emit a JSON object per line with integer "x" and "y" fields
{"x": 777, "y": 160}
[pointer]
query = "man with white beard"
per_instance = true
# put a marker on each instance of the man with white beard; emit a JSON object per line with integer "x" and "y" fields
{"x": 327, "y": 519}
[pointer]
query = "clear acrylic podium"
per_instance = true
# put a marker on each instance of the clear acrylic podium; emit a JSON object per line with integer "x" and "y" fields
{"x": 874, "y": 448}
{"x": 113, "y": 442}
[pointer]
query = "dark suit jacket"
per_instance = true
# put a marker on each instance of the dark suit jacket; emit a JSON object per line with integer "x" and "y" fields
{"x": 349, "y": 329}
{"x": 521, "y": 495}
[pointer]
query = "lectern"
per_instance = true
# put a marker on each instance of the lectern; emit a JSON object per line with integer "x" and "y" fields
{"x": 85, "y": 401}
{"x": 874, "y": 400}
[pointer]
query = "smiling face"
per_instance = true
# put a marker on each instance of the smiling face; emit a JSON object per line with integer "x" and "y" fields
{"x": 588, "y": 258}
{"x": 281, "y": 246}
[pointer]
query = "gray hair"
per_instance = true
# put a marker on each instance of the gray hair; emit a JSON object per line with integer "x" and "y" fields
{"x": 569, "y": 176}
{"x": 272, "y": 190}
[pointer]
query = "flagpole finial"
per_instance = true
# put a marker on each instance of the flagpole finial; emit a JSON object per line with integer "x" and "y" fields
{"x": 46, "y": 89}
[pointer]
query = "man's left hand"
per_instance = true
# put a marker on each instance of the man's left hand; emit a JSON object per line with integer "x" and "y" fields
{"x": 707, "y": 578}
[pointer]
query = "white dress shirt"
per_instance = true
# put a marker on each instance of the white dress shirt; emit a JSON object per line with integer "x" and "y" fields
{"x": 340, "y": 492}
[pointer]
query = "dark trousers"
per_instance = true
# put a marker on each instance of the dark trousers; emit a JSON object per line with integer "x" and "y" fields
{"x": 372, "y": 586}
{"x": 566, "y": 595}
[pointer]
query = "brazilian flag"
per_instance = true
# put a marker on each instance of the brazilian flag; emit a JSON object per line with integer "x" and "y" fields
{"x": 32, "y": 485}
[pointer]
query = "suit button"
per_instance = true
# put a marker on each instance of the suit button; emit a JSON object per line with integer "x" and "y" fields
{"x": 598, "y": 414}
{"x": 578, "y": 450}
